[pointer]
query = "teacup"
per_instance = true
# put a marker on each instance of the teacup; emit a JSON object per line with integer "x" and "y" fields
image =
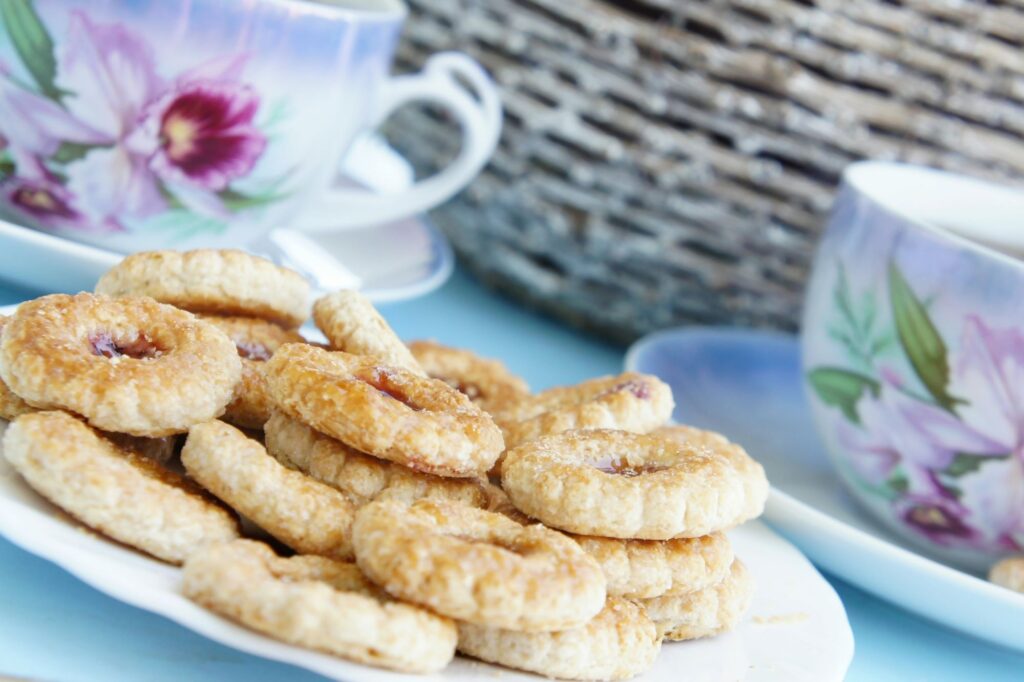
{"x": 141, "y": 124}
{"x": 913, "y": 351}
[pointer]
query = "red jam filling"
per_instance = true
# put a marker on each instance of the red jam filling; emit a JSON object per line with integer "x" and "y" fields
{"x": 620, "y": 467}
{"x": 640, "y": 389}
{"x": 104, "y": 345}
{"x": 382, "y": 379}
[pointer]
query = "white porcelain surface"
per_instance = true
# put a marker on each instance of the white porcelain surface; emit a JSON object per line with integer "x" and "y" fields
{"x": 748, "y": 386}
{"x": 796, "y": 631}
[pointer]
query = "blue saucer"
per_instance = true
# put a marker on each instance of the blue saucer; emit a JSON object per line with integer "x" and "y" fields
{"x": 748, "y": 386}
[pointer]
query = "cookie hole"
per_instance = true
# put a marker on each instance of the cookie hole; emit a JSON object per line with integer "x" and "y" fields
{"x": 620, "y": 466}
{"x": 468, "y": 389}
{"x": 638, "y": 388}
{"x": 141, "y": 347}
{"x": 384, "y": 380}
{"x": 250, "y": 350}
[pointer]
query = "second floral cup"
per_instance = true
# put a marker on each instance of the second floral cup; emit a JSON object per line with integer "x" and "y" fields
{"x": 913, "y": 348}
{"x": 140, "y": 124}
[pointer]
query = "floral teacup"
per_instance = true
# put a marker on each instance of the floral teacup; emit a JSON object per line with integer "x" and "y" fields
{"x": 913, "y": 348}
{"x": 138, "y": 124}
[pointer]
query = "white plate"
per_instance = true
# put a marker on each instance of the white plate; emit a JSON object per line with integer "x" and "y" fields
{"x": 796, "y": 630}
{"x": 393, "y": 262}
{"x": 748, "y": 386}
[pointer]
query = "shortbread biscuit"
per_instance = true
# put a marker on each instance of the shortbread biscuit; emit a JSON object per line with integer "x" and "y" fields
{"x": 123, "y": 495}
{"x": 1009, "y": 573}
{"x": 352, "y": 324}
{"x": 11, "y": 405}
{"x": 704, "y": 613}
{"x": 386, "y": 412}
{"x": 129, "y": 365}
{"x": 477, "y": 566}
{"x": 634, "y": 486}
{"x": 217, "y": 281}
{"x": 629, "y": 402}
{"x": 486, "y": 382}
{"x": 642, "y": 569}
{"x": 619, "y": 643}
{"x": 364, "y": 478}
{"x": 318, "y": 603}
{"x": 306, "y": 515}
{"x": 256, "y": 341}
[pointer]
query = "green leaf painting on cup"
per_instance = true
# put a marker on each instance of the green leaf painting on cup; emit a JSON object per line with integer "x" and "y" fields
{"x": 893, "y": 383}
{"x": 33, "y": 44}
{"x": 919, "y": 339}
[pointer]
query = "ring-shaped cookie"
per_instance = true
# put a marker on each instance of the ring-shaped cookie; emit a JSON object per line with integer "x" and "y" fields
{"x": 256, "y": 340}
{"x": 619, "y": 643}
{"x": 1009, "y": 573}
{"x": 124, "y": 495}
{"x": 11, "y": 405}
{"x": 387, "y": 412}
{"x": 477, "y": 566}
{"x": 317, "y": 603}
{"x": 630, "y": 402}
{"x": 216, "y": 281}
{"x": 642, "y": 569}
{"x": 304, "y": 514}
{"x": 129, "y": 365}
{"x": 486, "y": 382}
{"x": 703, "y": 613}
{"x": 352, "y": 324}
{"x": 363, "y": 478}
{"x": 634, "y": 486}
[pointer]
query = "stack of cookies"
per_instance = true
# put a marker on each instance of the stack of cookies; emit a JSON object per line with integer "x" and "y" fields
{"x": 401, "y": 502}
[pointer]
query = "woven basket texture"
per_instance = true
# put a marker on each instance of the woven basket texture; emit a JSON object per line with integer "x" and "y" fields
{"x": 673, "y": 161}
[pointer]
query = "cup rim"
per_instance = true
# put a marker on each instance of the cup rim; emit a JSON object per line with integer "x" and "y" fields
{"x": 853, "y": 176}
{"x": 395, "y": 11}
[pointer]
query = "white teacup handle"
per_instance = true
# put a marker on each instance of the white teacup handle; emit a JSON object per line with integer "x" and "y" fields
{"x": 480, "y": 120}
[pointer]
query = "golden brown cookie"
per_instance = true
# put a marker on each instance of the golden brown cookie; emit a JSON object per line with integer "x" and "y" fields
{"x": 619, "y": 643}
{"x": 129, "y": 365}
{"x": 352, "y": 324}
{"x": 386, "y": 412}
{"x": 256, "y": 341}
{"x": 477, "y": 566}
{"x": 216, "y": 281}
{"x": 634, "y": 486}
{"x": 707, "y": 612}
{"x": 123, "y": 495}
{"x": 318, "y": 603}
{"x": 364, "y": 478}
{"x": 11, "y": 405}
{"x": 642, "y": 569}
{"x": 486, "y": 382}
{"x": 306, "y": 515}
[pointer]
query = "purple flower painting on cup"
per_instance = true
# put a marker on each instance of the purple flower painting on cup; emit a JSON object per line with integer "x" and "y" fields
{"x": 101, "y": 134}
{"x": 951, "y": 468}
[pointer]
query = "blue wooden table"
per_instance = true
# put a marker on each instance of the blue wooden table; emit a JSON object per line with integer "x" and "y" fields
{"x": 52, "y": 627}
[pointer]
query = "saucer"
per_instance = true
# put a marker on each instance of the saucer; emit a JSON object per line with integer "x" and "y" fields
{"x": 748, "y": 385}
{"x": 391, "y": 262}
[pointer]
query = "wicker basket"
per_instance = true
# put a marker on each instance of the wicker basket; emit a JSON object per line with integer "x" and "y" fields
{"x": 670, "y": 161}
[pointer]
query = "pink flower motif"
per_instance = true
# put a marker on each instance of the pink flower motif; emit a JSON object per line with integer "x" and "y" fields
{"x": 937, "y": 517}
{"x": 991, "y": 371}
{"x": 33, "y": 127}
{"x": 899, "y": 429}
{"x": 189, "y": 138}
{"x": 205, "y": 134}
{"x": 42, "y": 201}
